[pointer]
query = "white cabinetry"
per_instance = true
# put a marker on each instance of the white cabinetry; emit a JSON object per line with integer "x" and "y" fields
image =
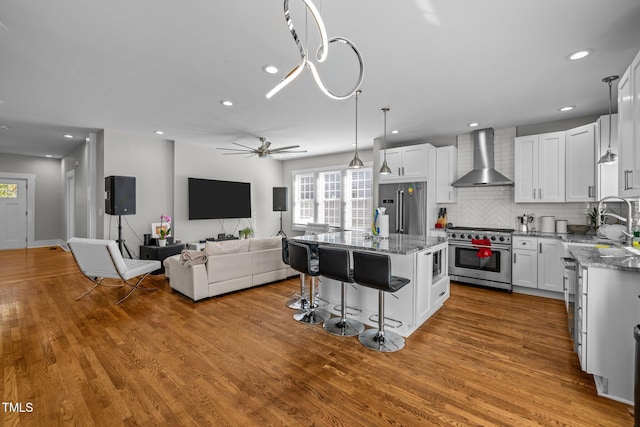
{"x": 446, "y": 173}
{"x": 606, "y": 175}
{"x": 581, "y": 164}
{"x": 629, "y": 130}
{"x": 537, "y": 263}
{"x": 410, "y": 163}
{"x": 610, "y": 310}
{"x": 540, "y": 168}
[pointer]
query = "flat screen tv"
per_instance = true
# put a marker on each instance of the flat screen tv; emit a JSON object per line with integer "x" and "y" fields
{"x": 213, "y": 199}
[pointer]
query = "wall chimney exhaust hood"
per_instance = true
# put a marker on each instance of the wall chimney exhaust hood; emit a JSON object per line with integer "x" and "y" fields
{"x": 483, "y": 173}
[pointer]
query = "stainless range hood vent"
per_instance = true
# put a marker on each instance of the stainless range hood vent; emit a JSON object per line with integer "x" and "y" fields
{"x": 483, "y": 173}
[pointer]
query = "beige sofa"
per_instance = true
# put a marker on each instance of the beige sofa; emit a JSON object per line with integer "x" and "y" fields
{"x": 231, "y": 265}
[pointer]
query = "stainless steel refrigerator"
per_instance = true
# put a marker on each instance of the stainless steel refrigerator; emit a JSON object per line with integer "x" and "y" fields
{"x": 406, "y": 205}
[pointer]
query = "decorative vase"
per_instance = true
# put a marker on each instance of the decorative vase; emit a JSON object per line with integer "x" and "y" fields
{"x": 162, "y": 242}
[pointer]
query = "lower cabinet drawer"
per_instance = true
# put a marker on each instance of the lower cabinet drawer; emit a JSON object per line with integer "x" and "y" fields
{"x": 438, "y": 292}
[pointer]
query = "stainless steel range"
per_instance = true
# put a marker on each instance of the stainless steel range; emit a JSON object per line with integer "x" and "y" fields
{"x": 480, "y": 256}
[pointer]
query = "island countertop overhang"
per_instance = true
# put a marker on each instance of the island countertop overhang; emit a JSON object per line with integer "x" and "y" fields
{"x": 401, "y": 244}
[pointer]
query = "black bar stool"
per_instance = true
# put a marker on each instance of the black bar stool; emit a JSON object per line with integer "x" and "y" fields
{"x": 298, "y": 301}
{"x": 335, "y": 264}
{"x": 374, "y": 271}
{"x": 300, "y": 259}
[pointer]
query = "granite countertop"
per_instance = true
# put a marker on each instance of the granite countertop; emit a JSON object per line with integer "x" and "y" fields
{"x": 586, "y": 249}
{"x": 403, "y": 244}
{"x": 591, "y": 256}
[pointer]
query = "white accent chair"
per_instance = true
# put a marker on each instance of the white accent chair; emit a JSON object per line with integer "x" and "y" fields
{"x": 99, "y": 259}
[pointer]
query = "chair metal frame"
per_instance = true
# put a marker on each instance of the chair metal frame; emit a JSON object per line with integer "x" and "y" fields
{"x": 98, "y": 280}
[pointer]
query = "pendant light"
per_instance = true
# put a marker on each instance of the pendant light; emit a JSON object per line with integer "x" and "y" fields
{"x": 385, "y": 170}
{"x": 356, "y": 163}
{"x": 609, "y": 157}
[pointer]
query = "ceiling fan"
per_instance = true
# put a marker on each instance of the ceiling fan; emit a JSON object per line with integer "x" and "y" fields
{"x": 263, "y": 150}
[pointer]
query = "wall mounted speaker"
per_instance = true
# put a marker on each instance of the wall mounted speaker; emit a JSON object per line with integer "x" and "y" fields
{"x": 280, "y": 199}
{"x": 121, "y": 195}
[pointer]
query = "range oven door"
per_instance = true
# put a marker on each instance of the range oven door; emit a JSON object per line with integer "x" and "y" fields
{"x": 465, "y": 265}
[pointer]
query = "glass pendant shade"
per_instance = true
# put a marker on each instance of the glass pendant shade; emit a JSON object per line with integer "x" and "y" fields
{"x": 609, "y": 157}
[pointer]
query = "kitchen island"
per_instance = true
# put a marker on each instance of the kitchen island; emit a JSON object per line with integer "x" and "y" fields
{"x": 607, "y": 287}
{"x": 423, "y": 261}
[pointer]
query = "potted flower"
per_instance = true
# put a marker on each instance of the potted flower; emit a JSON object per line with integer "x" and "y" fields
{"x": 164, "y": 230}
{"x": 245, "y": 233}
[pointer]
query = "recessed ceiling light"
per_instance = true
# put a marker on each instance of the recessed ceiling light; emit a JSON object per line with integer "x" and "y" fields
{"x": 66, "y": 135}
{"x": 395, "y": 131}
{"x": 4, "y": 127}
{"x": 270, "y": 69}
{"x": 3, "y": 28}
{"x": 226, "y": 103}
{"x": 49, "y": 156}
{"x": 567, "y": 108}
{"x": 159, "y": 132}
{"x": 474, "y": 124}
{"x": 579, "y": 54}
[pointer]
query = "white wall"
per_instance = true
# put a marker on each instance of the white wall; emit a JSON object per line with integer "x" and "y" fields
{"x": 198, "y": 161}
{"x": 150, "y": 160}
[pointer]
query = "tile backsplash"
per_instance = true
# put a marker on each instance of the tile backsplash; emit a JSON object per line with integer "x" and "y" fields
{"x": 494, "y": 206}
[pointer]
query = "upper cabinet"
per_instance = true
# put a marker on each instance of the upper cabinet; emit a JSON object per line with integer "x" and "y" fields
{"x": 629, "y": 130}
{"x": 540, "y": 168}
{"x": 410, "y": 163}
{"x": 581, "y": 164}
{"x": 606, "y": 174}
{"x": 446, "y": 173}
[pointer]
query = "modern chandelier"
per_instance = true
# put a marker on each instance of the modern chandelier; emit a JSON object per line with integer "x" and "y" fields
{"x": 609, "y": 157}
{"x": 321, "y": 54}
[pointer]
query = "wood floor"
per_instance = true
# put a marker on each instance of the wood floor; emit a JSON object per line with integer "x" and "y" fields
{"x": 486, "y": 358}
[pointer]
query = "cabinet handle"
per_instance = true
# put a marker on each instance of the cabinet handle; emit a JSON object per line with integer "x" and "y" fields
{"x": 631, "y": 180}
{"x": 399, "y": 171}
{"x": 534, "y": 193}
{"x": 449, "y": 194}
{"x": 441, "y": 293}
{"x": 540, "y": 246}
{"x": 590, "y": 190}
{"x": 540, "y": 193}
{"x": 626, "y": 180}
{"x": 514, "y": 261}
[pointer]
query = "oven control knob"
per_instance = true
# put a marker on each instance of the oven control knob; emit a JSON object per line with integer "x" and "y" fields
{"x": 502, "y": 238}
{"x": 469, "y": 236}
{"x": 477, "y": 237}
{"x": 453, "y": 235}
{"x": 484, "y": 237}
{"x": 493, "y": 238}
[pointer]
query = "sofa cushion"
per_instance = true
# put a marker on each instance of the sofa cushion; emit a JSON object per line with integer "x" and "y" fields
{"x": 266, "y": 243}
{"x": 226, "y": 247}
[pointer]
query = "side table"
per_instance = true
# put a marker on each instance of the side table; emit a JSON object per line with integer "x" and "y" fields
{"x": 160, "y": 253}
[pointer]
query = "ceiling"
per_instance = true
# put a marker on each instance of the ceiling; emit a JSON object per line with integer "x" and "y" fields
{"x": 76, "y": 66}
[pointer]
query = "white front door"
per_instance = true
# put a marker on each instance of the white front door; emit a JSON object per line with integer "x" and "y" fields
{"x": 13, "y": 213}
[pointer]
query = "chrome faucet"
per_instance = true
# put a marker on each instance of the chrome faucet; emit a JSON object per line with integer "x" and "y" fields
{"x": 628, "y": 220}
